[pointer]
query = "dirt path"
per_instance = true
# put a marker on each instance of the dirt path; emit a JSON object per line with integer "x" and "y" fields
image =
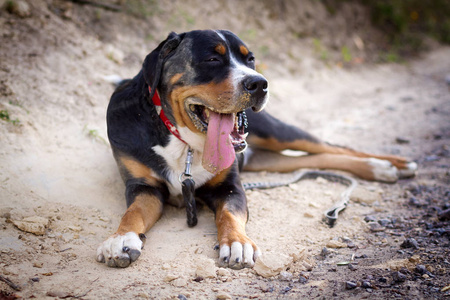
{"x": 57, "y": 169}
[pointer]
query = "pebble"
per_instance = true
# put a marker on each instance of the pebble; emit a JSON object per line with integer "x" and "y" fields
{"x": 34, "y": 224}
{"x": 398, "y": 276}
{"x": 182, "y": 297}
{"x": 352, "y": 267}
{"x": 285, "y": 276}
{"x": 223, "y": 272}
{"x": 384, "y": 222}
{"x": 303, "y": 278}
{"x": 366, "y": 284}
{"x": 376, "y": 227}
{"x": 402, "y": 140}
{"x": 361, "y": 195}
{"x": 421, "y": 269}
{"x": 324, "y": 251}
{"x": 170, "y": 277}
{"x": 206, "y": 268}
{"x": 382, "y": 279}
{"x": 271, "y": 264}
{"x": 350, "y": 285}
{"x": 336, "y": 244}
{"x": 179, "y": 282}
{"x": 370, "y": 219}
{"x": 223, "y": 296}
{"x": 410, "y": 243}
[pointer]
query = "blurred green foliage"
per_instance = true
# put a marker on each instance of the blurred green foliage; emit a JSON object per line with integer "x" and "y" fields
{"x": 406, "y": 21}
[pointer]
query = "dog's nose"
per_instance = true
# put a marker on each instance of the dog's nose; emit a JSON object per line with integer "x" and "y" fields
{"x": 256, "y": 86}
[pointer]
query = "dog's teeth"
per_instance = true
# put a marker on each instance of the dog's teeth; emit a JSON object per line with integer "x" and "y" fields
{"x": 192, "y": 108}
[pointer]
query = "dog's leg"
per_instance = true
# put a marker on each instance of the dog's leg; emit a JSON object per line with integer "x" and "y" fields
{"x": 225, "y": 196}
{"x": 145, "y": 199}
{"x": 268, "y": 133}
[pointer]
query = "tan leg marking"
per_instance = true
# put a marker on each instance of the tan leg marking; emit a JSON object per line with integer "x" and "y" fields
{"x": 141, "y": 215}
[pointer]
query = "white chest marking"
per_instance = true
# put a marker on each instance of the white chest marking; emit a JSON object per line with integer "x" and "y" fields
{"x": 175, "y": 156}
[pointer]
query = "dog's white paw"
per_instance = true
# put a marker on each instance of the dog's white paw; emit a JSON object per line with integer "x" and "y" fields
{"x": 120, "y": 250}
{"x": 383, "y": 170}
{"x": 409, "y": 171}
{"x": 238, "y": 256}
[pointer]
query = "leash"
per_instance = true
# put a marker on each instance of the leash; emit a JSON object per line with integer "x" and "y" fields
{"x": 330, "y": 215}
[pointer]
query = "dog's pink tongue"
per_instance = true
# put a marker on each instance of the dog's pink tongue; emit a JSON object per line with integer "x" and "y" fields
{"x": 218, "y": 153}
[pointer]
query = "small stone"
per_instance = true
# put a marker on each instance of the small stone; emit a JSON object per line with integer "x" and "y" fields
{"x": 223, "y": 296}
{"x": 421, "y": 269}
{"x": 35, "y": 279}
{"x": 324, "y": 251}
{"x": 376, "y": 227}
{"x": 366, "y": 284}
{"x": 170, "y": 277}
{"x": 350, "y": 285}
{"x": 413, "y": 201}
{"x": 384, "y": 222}
{"x": 410, "y": 243}
{"x": 223, "y": 272}
{"x": 444, "y": 215}
{"x": 362, "y": 195}
{"x": 352, "y": 267}
{"x": 370, "y": 219}
{"x": 302, "y": 280}
{"x": 182, "y": 297}
{"x": 382, "y": 279}
{"x": 285, "y": 276}
{"x": 308, "y": 215}
{"x": 38, "y": 264}
{"x": 402, "y": 140}
{"x": 398, "y": 276}
{"x": 271, "y": 264}
{"x": 206, "y": 268}
{"x": 415, "y": 259}
{"x": 34, "y": 224}
{"x": 179, "y": 282}
{"x": 198, "y": 279}
{"x": 336, "y": 244}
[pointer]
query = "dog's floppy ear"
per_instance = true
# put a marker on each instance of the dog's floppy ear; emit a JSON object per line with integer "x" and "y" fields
{"x": 154, "y": 62}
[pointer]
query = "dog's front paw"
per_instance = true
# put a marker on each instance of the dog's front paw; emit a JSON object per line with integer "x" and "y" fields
{"x": 120, "y": 250}
{"x": 238, "y": 253}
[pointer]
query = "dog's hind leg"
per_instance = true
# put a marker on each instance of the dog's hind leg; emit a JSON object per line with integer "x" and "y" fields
{"x": 269, "y": 133}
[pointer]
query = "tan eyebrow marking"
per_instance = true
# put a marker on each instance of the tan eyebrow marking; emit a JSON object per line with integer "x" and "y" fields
{"x": 243, "y": 50}
{"x": 220, "y": 49}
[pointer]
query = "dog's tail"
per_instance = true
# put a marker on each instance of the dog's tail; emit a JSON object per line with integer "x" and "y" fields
{"x": 115, "y": 79}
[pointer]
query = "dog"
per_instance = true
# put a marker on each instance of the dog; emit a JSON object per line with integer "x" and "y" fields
{"x": 188, "y": 115}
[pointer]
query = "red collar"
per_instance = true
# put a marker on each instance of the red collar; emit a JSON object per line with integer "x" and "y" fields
{"x": 157, "y": 102}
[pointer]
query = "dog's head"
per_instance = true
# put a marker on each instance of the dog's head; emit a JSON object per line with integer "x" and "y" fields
{"x": 206, "y": 80}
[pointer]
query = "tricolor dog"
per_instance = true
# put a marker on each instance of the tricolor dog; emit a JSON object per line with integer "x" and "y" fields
{"x": 189, "y": 114}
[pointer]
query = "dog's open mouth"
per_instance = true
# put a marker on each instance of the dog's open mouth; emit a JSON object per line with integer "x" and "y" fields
{"x": 202, "y": 115}
{"x": 225, "y": 136}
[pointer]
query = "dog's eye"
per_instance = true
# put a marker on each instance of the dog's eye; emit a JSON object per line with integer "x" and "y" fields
{"x": 212, "y": 59}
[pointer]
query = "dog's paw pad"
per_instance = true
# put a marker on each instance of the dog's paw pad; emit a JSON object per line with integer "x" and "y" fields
{"x": 120, "y": 250}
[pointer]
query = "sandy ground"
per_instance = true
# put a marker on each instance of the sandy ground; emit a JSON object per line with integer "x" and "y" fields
{"x": 57, "y": 171}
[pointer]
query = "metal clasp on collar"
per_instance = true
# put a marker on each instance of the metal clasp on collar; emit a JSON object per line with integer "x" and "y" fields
{"x": 187, "y": 170}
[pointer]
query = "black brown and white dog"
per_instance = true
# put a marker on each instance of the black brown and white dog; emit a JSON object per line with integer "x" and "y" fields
{"x": 199, "y": 90}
